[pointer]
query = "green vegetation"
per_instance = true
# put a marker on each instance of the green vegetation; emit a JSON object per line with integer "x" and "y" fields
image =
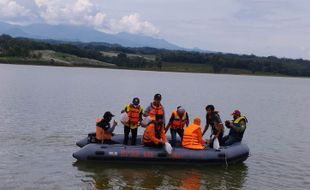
{"x": 29, "y": 51}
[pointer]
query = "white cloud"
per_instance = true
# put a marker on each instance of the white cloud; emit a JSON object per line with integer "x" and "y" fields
{"x": 83, "y": 6}
{"x": 133, "y": 24}
{"x": 48, "y": 10}
{"x": 12, "y": 11}
{"x": 80, "y": 12}
{"x": 85, "y": 12}
{"x": 98, "y": 19}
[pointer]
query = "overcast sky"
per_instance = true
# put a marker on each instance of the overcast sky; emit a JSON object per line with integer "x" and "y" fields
{"x": 260, "y": 27}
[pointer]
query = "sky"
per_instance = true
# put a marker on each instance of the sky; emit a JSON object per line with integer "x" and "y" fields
{"x": 261, "y": 27}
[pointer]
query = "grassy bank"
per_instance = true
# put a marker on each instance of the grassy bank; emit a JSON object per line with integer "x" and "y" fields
{"x": 51, "y": 58}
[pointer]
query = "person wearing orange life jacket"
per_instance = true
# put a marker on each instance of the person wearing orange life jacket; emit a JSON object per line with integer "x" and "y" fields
{"x": 178, "y": 119}
{"x": 104, "y": 130}
{"x": 192, "y": 137}
{"x": 154, "y": 134}
{"x": 134, "y": 112}
{"x": 155, "y": 108}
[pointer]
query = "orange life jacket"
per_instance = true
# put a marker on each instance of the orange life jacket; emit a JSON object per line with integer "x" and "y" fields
{"x": 192, "y": 137}
{"x": 154, "y": 133}
{"x": 156, "y": 110}
{"x": 133, "y": 115}
{"x": 100, "y": 134}
{"x": 178, "y": 122}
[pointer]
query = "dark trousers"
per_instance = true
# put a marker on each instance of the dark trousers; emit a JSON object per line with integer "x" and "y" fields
{"x": 220, "y": 138}
{"x": 134, "y": 132}
{"x": 106, "y": 141}
{"x": 173, "y": 133}
{"x": 228, "y": 140}
{"x": 152, "y": 144}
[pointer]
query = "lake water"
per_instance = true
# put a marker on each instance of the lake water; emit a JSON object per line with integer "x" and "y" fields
{"x": 45, "y": 110}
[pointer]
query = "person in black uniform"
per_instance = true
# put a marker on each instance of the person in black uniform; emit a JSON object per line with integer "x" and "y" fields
{"x": 214, "y": 120}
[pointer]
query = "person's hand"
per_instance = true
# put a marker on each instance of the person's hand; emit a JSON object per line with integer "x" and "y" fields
{"x": 166, "y": 129}
{"x": 161, "y": 141}
{"x": 228, "y": 124}
{"x": 114, "y": 123}
{"x": 213, "y": 137}
{"x": 208, "y": 141}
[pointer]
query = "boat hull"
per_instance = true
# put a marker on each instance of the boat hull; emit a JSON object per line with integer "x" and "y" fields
{"x": 237, "y": 152}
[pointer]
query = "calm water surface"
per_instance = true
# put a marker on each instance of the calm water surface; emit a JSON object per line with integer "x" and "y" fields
{"x": 45, "y": 110}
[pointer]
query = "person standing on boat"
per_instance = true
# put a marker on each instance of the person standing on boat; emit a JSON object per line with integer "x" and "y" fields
{"x": 192, "y": 138}
{"x": 155, "y": 108}
{"x": 179, "y": 119}
{"x": 154, "y": 134}
{"x": 237, "y": 127}
{"x": 104, "y": 129}
{"x": 214, "y": 120}
{"x": 134, "y": 112}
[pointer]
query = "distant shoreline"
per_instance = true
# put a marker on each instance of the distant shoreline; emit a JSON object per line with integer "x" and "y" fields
{"x": 57, "y": 64}
{"x": 25, "y": 51}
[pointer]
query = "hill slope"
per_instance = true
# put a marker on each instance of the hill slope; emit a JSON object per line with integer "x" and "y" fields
{"x": 83, "y": 34}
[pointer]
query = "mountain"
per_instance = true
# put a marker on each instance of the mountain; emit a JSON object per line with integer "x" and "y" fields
{"x": 17, "y": 32}
{"x": 4, "y": 26}
{"x": 83, "y": 34}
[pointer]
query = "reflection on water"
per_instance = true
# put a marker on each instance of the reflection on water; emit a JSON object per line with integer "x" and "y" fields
{"x": 100, "y": 175}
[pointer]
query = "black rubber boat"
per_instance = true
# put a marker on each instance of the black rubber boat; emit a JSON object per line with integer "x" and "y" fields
{"x": 235, "y": 153}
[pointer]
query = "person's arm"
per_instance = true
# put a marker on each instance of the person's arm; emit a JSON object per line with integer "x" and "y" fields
{"x": 164, "y": 118}
{"x": 147, "y": 111}
{"x": 205, "y": 129}
{"x": 199, "y": 134}
{"x": 163, "y": 135}
{"x": 206, "y": 126}
{"x": 187, "y": 119}
{"x": 111, "y": 129}
{"x": 140, "y": 114}
{"x": 125, "y": 109}
{"x": 169, "y": 123}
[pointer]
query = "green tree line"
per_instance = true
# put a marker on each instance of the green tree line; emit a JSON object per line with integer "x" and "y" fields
{"x": 22, "y": 47}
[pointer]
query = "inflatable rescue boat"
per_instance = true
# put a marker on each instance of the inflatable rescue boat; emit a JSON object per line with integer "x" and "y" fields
{"x": 90, "y": 150}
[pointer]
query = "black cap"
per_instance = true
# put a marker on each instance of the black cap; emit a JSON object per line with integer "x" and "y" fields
{"x": 210, "y": 106}
{"x": 107, "y": 115}
{"x": 136, "y": 101}
{"x": 157, "y": 97}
